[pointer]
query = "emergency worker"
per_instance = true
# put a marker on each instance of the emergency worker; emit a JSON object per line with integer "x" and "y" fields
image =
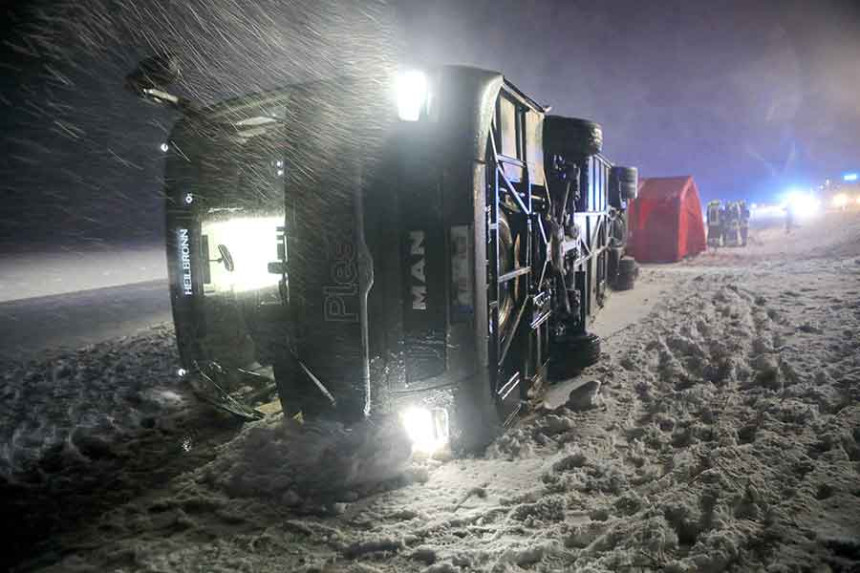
{"x": 715, "y": 224}
{"x": 730, "y": 225}
{"x": 744, "y": 221}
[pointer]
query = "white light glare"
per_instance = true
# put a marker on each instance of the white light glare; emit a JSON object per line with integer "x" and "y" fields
{"x": 840, "y": 201}
{"x": 767, "y": 211}
{"x": 251, "y": 242}
{"x": 164, "y": 147}
{"x": 849, "y": 177}
{"x": 427, "y": 429}
{"x": 412, "y": 94}
{"x": 802, "y": 204}
{"x": 181, "y": 372}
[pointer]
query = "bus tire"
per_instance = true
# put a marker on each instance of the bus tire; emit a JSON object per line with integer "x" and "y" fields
{"x": 628, "y": 266}
{"x": 573, "y": 354}
{"x": 613, "y": 258}
{"x": 572, "y": 137}
{"x": 626, "y": 180}
{"x": 624, "y": 282}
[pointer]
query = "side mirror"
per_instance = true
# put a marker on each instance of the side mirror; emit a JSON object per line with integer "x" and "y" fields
{"x": 152, "y": 77}
{"x": 226, "y": 258}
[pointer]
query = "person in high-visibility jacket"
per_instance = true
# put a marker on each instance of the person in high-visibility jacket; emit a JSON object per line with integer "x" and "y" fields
{"x": 744, "y": 222}
{"x": 715, "y": 224}
{"x": 731, "y": 229}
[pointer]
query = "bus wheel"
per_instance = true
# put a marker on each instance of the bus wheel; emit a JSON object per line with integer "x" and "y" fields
{"x": 572, "y": 137}
{"x": 628, "y": 270}
{"x": 572, "y": 354}
{"x": 627, "y": 181}
{"x": 613, "y": 259}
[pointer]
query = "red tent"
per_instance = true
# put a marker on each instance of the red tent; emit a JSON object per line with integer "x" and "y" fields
{"x": 665, "y": 220}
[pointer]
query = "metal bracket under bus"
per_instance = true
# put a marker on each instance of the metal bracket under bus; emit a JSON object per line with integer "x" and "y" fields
{"x": 207, "y": 389}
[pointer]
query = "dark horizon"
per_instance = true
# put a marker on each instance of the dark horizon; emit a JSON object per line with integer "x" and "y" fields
{"x": 749, "y": 100}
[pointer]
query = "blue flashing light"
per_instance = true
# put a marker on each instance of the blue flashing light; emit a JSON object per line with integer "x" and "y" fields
{"x": 849, "y": 177}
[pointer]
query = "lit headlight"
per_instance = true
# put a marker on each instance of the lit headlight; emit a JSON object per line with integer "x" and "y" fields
{"x": 840, "y": 200}
{"x": 412, "y": 93}
{"x": 427, "y": 429}
{"x": 803, "y": 204}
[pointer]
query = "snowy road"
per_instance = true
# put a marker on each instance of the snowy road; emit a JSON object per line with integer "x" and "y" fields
{"x": 67, "y": 297}
{"x": 40, "y": 271}
{"x": 76, "y": 319}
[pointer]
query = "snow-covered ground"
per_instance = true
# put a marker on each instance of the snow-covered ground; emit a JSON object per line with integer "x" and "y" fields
{"x": 725, "y": 437}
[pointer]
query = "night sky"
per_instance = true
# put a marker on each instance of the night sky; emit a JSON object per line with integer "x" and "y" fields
{"x": 748, "y": 97}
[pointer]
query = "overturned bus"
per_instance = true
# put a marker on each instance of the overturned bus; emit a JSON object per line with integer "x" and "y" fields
{"x": 437, "y": 256}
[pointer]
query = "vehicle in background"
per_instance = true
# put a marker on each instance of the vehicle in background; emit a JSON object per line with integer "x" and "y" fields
{"x": 439, "y": 259}
{"x": 841, "y": 194}
{"x": 845, "y": 201}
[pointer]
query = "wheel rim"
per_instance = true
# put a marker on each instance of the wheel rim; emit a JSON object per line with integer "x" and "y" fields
{"x": 509, "y": 260}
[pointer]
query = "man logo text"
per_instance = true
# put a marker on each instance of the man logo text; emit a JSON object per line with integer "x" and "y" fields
{"x": 419, "y": 280}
